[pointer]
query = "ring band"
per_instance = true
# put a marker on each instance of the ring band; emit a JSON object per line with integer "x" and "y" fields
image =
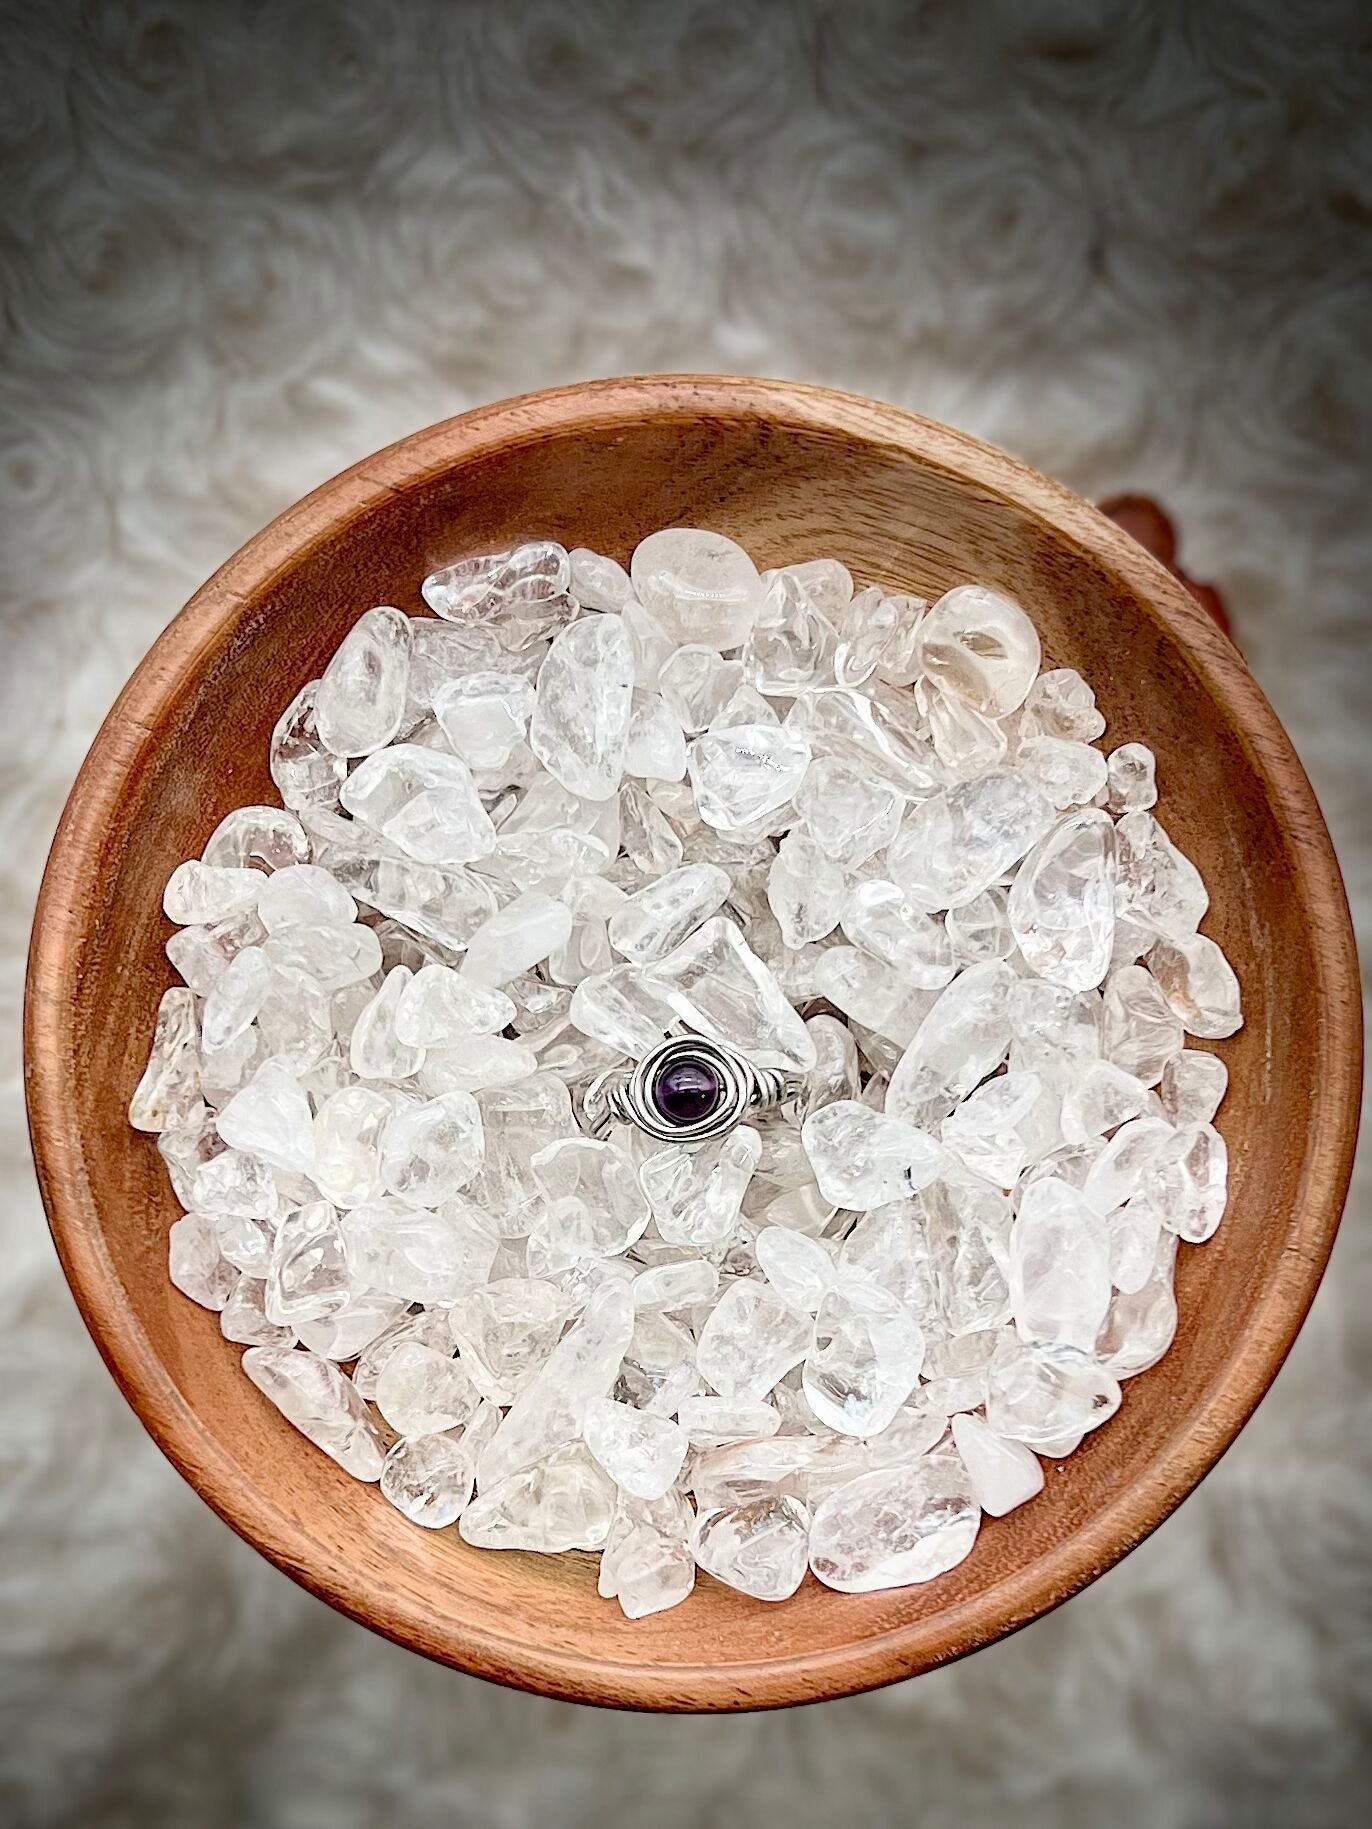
{"x": 687, "y": 1090}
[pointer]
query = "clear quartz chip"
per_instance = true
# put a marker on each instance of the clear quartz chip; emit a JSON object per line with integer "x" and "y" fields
{"x": 658, "y": 917}
{"x": 484, "y": 716}
{"x": 698, "y": 586}
{"x": 1060, "y": 704}
{"x": 422, "y": 1390}
{"x": 1139, "y": 1031}
{"x": 750, "y": 1341}
{"x": 848, "y": 814}
{"x": 429, "y": 1477}
{"x": 881, "y": 919}
{"x": 963, "y": 1038}
{"x": 746, "y": 773}
{"x": 315, "y": 1396}
{"x": 515, "y": 938}
{"x": 864, "y": 1359}
{"x": 438, "y": 1007}
{"x": 580, "y": 725}
{"x": 1059, "y": 1268}
{"x": 895, "y": 1527}
{"x": 263, "y": 838}
{"x": 1070, "y": 774}
{"x": 1130, "y": 785}
{"x": 805, "y": 890}
{"x": 864, "y": 1158}
{"x": 271, "y": 1118}
{"x": 1038, "y": 1395}
{"x": 505, "y": 1331}
{"x": 696, "y": 1194}
{"x": 1193, "y": 1087}
{"x": 196, "y": 1264}
{"x": 954, "y": 845}
{"x": 1003, "y": 1474}
{"x": 598, "y": 582}
{"x": 360, "y": 701}
{"x": 430, "y": 1152}
{"x": 1199, "y": 985}
{"x": 198, "y": 894}
{"x": 719, "y": 987}
{"x": 424, "y": 802}
{"x": 564, "y": 1502}
{"x": 306, "y": 773}
{"x": 758, "y": 1548}
{"x": 980, "y": 648}
{"x": 1062, "y": 905}
{"x": 169, "y": 1091}
{"x": 642, "y": 1453}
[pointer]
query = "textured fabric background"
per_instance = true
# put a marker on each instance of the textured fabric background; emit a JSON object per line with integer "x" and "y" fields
{"x": 242, "y": 246}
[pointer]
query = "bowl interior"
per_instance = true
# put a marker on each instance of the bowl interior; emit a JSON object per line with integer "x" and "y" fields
{"x": 789, "y": 473}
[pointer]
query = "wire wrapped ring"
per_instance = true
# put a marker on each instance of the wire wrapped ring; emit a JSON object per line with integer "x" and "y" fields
{"x": 688, "y": 1090}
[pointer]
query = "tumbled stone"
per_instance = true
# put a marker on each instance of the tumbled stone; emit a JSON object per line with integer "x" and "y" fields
{"x": 169, "y": 1090}
{"x": 262, "y": 838}
{"x": 196, "y": 1264}
{"x": 863, "y": 1158}
{"x": 1199, "y": 985}
{"x": 849, "y": 815}
{"x": 880, "y": 918}
{"x": 422, "y": 1390}
{"x": 1130, "y": 785}
{"x": 313, "y": 1395}
{"x": 305, "y": 771}
{"x": 1059, "y": 1268}
{"x": 1062, "y": 905}
{"x": 1038, "y": 1395}
{"x": 1004, "y": 1474}
{"x": 505, "y": 1331}
{"x": 441, "y": 1008}
{"x": 895, "y": 1527}
{"x": 197, "y": 894}
{"x": 751, "y": 1340}
{"x": 760, "y": 1548}
{"x": 868, "y": 736}
{"x": 360, "y": 700}
{"x": 864, "y": 1358}
{"x": 1104, "y": 1098}
{"x": 954, "y": 845}
{"x": 430, "y": 1151}
{"x": 1139, "y": 1031}
{"x": 695, "y": 1194}
{"x": 425, "y": 802}
{"x": 564, "y": 1502}
{"x": 806, "y": 890}
{"x": 1060, "y": 704}
{"x": 641, "y": 1453}
{"x": 962, "y": 1039}
{"x": 580, "y": 725}
{"x": 1158, "y": 886}
{"x": 981, "y": 648}
{"x": 593, "y": 1206}
{"x": 700, "y": 587}
{"x": 743, "y": 774}
{"x": 659, "y": 916}
{"x": 1193, "y": 1086}
{"x": 429, "y": 1478}
{"x": 719, "y": 987}
{"x": 421, "y": 1254}
{"x": 309, "y": 1276}
{"x": 271, "y": 1118}
{"x": 1003, "y": 1126}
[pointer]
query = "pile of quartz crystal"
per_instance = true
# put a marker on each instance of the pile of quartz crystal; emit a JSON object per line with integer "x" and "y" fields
{"x": 846, "y": 833}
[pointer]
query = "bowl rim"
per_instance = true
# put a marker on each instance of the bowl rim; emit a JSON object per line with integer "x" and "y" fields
{"x": 125, "y": 739}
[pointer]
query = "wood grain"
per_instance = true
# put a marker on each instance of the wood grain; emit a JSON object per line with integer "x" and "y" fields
{"x": 790, "y": 471}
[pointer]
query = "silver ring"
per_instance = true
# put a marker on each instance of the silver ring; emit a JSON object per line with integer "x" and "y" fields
{"x": 688, "y": 1090}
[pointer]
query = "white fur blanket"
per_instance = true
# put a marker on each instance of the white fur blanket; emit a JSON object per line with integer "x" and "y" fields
{"x": 242, "y": 246}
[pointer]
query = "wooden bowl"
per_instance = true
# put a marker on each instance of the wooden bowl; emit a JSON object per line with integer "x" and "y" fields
{"x": 789, "y": 471}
